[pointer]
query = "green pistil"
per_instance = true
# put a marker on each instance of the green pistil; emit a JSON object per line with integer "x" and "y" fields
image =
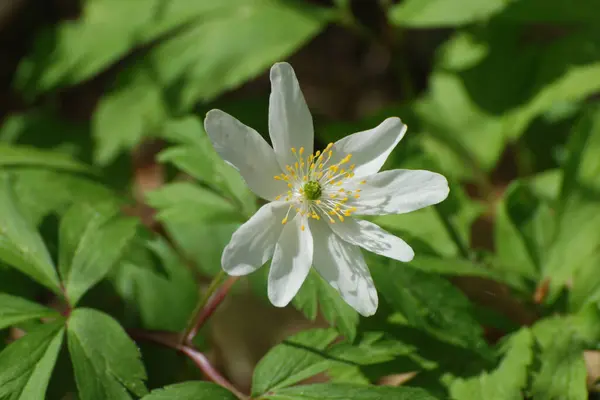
{"x": 312, "y": 190}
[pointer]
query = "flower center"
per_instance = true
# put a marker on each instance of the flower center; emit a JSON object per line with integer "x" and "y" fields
{"x": 320, "y": 187}
{"x": 312, "y": 190}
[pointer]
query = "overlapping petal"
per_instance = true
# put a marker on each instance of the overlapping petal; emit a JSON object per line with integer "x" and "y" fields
{"x": 370, "y": 148}
{"x": 253, "y": 243}
{"x": 400, "y": 191}
{"x": 290, "y": 121}
{"x": 373, "y": 238}
{"x": 244, "y": 148}
{"x": 291, "y": 261}
{"x": 343, "y": 266}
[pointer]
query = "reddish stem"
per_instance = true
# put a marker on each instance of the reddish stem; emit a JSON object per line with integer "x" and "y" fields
{"x": 209, "y": 308}
{"x": 171, "y": 340}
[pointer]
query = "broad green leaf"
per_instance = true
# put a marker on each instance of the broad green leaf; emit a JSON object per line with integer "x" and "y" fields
{"x": 20, "y": 244}
{"x": 195, "y": 155}
{"x": 139, "y": 286}
{"x": 508, "y": 380}
{"x": 91, "y": 242}
{"x": 26, "y": 365}
{"x": 348, "y": 391}
{"x": 523, "y": 231}
{"x": 106, "y": 361}
{"x": 444, "y": 13}
{"x": 186, "y": 201}
{"x": 213, "y": 53}
{"x": 317, "y": 295}
{"x": 59, "y": 190}
{"x": 430, "y": 303}
{"x": 191, "y": 391}
{"x": 11, "y": 156}
{"x": 566, "y": 12}
{"x": 14, "y": 310}
{"x": 574, "y": 249}
{"x": 292, "y": 361}
{"x": 561, "y": 372}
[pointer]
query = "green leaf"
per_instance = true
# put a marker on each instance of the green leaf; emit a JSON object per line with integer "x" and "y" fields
{"x": 20, "y": 244}
{"x": 26, "y": 365}
{"x": 217, "y": 51}
{"x": 557, "y": 11}
{"x": 191, "y": 391}
{"x": 523, "y": 232}
{"x": 106, "y": 361}
{"x": 11, "y": 156}
{"x": 444, "y": 13}
{"x": 348, "y": 391}
{"x": 92, "y": 240}
{"x": 296, "y": 359}
{"x": 14, "y": 310}
{"x": 316, "y": 294}
{"x": 139, "y": 285}
{"x": 185, "y": 201}
{"x": 196, "y": 156}
{"x": 430, "y": 303}
{"x": 508, "y": 380}
{"x": 561, "y": 372}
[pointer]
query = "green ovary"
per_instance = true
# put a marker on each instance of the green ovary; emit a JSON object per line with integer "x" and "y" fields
{"x": 312, "y": 190}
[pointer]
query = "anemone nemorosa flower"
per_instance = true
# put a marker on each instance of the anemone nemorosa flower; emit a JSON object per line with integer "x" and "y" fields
{"x": 314, "y": 197}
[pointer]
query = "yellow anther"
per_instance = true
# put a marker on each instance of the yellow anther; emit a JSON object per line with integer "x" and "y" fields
{"x": 341, "y": 218}
{"x": 294, "y": 150}
{"x": 357, "y": 196}
{"x": 284, "y": 221}
{"x": 330, "y": 153}
{"x": 318, "y": 153}
{"x": 277, "y": 177}
{"x": 301, "y": 150}
{"x": 331, "y": 212}
{"x": 318, "y": 201}
{"x": 296, "y": 165}
{"x": 331, "y": 220}
{"x": 305, "y": 178}
{"x": 332, "y": 195}
{"x": 278, "y": 197}
{"x": 290, "y": 185}
{"x": 363, "y": 182}
{"x": 342, "y": 190}
{"x": 330, "y": 145}
{"x": 302, "y": 228}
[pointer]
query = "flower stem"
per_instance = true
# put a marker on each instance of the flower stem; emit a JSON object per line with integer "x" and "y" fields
{"x": 214, "y": 295}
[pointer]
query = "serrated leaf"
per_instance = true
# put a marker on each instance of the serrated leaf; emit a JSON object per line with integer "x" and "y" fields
{"x": 106, "y": 361}
{"x": 26, "y": 365}
{"x": 296, "y": 359}
{"x": 444, "y": 13}
{"x": 139, "y": 285}
{"x": 14, "y": 310}
{"x": 430, "y": 303}
{"x": 191, "y": 391}
{"x": 348, "y": 391}
{"x": 21, "y": 246}
{"x": 196, "y": 156}
{"x": 317, "y": 295}
{"x": 561, "y": 372}
{"x": 186, "y": 201}
{"x": 508, "y": 380}
{"x": 523, "y": 232}
{"x": 92, "y": 240}
{"x": 11, "y": 156}
{"x": 198, "y": 63}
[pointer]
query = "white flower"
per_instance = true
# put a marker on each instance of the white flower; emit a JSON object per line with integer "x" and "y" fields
{"x": 313, "y": 197}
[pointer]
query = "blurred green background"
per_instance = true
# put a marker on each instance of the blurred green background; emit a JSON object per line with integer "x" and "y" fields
{"x": 500, "y": 96}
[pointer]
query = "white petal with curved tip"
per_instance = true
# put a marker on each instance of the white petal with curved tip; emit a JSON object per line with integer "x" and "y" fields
{"x": 244, "y": 148}
{"x": 370, "y": 148}
{"x": 343, "y": 266}
{"x": 290, "y": 122}
{"x": 400, "y": 191}
{"x": 253, "y": 243}
{"x": 291, "y": 261}
{"x": 371, "y": 237}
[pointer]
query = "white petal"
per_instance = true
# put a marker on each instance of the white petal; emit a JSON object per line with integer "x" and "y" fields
{"x": 290, "y": 122}
{"x": 371, "y": 237}
{"x": 291, "y": 261}
{"x": 253, "y": 243}
{"x": 370, "y": 148}
{"x": 244, "y": 148}
{"x": 343, "y": 266}
{"x": 400, "y": 191}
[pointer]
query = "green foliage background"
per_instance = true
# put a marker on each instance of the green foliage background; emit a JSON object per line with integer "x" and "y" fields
{"x": 114, "y": 208}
